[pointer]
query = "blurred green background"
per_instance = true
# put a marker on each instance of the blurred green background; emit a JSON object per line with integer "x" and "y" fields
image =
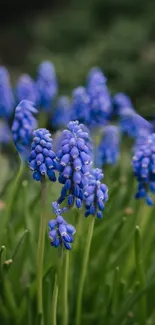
{"x": 117, "y": 35}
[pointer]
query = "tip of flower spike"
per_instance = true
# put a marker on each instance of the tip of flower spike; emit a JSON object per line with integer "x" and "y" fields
{"x": 26, "y": 105}
{"x": 26, "y": 89}
{"x": 61, "y": 233}
{"x": 96, "y": 76}
{"x": 3, "y": 73}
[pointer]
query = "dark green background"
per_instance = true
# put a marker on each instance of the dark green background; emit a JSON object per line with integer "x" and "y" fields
{"x": 117, "y": 35}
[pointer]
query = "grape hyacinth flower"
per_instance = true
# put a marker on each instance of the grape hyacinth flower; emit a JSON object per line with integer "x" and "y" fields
{"x": 100, "y": 99}
{"x": 109, "y": 148}
{"x": 42, "y": 157}
{"x": 80, "y": 106}
{"x": 46, "y": 85}
{"x": 141, "y": 138}
{"x": 26, "y": 89}
{"x": 61, "y": 116}
{"x": 22, "y": 128}
{"x": 143, "y": 163}
{"x": 95, "y": 193}
{"x": 61, "y": 233}
{"x": 133, "y": 124}
{"x": 74, "y": 163}
{"x": 6, "y": 94}
{"x": 96, "y": 76}
{"x": 122, "y": 103}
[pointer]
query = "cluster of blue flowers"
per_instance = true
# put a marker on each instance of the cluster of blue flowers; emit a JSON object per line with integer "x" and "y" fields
{"x": 26, "y": 89}
{"x": 122, "y": 103}
{"x": 100, "y": 99}
{"x": 46, "y": 85}
{"x": 41, "y": 92}
{"x": 42, "y": 157}
{"x": 22, "y": 128}
{"x": 95, "y": 193}
{"x": 142, "y": 137}
{"x": 92, "y": 105}
{"x": 74, "y": 163}
{"x": 80, "y": 107}
{"x": 61, "y": 116}
{"x": 6, "y": 94}
{"x": 133, "y": 124}
{"x": 144, "y": 169}
{"x": 109, "y": 147}
{"x": 61, "y": 233}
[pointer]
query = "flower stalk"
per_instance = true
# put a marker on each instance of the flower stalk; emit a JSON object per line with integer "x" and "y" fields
{"x": 65, "y": 289}
{"x": 40, "y": 254}
{"x": 84, "y": 271}
{"x": 54, "y": 301}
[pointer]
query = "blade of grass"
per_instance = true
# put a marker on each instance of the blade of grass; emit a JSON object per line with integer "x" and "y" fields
{"x": 140, "y": 275}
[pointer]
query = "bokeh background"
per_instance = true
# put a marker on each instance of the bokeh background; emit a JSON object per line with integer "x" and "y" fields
{"x": 117, "y": 35}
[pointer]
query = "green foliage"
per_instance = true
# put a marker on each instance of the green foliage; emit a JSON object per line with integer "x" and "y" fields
{"x": 117, "y": 281}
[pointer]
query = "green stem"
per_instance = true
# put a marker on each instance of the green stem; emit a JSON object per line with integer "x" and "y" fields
{"x": 84, "y": 271}
{"x": 12, "y": 197}
{"x": 78, "y": 231}
{"x": 40, "y": 255}
{"x": 140, "y": 275}
{"x": 2, "y": 260}
{"x": 65, "y": 289}
{"x": 54, "y": 301}
{"x": 116, "y": 291}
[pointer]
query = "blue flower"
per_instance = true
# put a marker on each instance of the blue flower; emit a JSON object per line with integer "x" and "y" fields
{"x": 121, "y": 103}
{"x": 109, "y": 148}
{"x": 61, "y": 116}
{"x": 5, "y": 133}
{"x": 133, "y": 124}
{"x": 6, "y": 94}
{"x": 100, "y": 99}
{"x": 22, "y": 128}
{"x": 95, "y": 193}
{"x": 61, "y": 233}
{"x": 96, "y": 76}
{"x": 46, "y": 84}
{"x": 74, "y": 163}
{"x": 143, "y": 164}
{"x": 26, "y": 89}
{"x": 141, "y": 138}
{"x": 42, "y": 157}
{"x": 80, "y": 106}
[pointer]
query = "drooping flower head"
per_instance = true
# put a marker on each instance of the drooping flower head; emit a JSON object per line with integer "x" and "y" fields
{"x": 61, "y": 233}
{"x": 121, "y": 103}
{"x": 26, "y": 89}
{"x": 100, "y": 99}
{"x": 42, "y": 157}
{"x": 133, "y": 124}
{"x": 74, "y": 163}
{"x": 143, "y": 164}
{"x": 109, "y": 148}
{"x": 80, "y": 105}
{"x": 46, "y": 84}
{"x": 5, "y": 133}
{"x": 6, "y": 94}
{"x": 95, "y": 193}
{"x": 61, "y": 116}
{"x": 22, "y": 128}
